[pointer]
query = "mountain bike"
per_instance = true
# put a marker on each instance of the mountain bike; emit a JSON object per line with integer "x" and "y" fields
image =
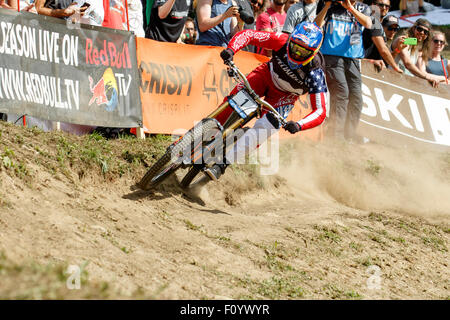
{"x": 206, "y": 143}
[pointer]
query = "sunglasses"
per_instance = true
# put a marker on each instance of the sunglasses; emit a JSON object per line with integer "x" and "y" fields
{"x": 382, "y": 5}
{"x": 393, "y": 28}
{"x": 256, "y": 3}
{"x": 438, "y": 41}
{"x": 422, "y": 30}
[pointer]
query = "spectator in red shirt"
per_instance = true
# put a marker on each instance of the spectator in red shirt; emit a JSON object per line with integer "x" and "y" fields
{"x": 115, "y": 14}
{"x": 272, "y": 20}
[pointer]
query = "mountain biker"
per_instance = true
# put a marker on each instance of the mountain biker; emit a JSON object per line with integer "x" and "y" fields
{"x": 296, "y": 68}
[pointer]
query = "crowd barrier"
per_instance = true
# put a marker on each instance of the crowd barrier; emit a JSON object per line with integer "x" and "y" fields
{"x": 104, "y": 77}
{"x": 71, "y": 73}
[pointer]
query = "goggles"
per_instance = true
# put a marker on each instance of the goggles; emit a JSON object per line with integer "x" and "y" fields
{"x": 299, "y": 53}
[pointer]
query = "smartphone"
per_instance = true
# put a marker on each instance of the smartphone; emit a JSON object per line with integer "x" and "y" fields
{"x": 410, "y": 41}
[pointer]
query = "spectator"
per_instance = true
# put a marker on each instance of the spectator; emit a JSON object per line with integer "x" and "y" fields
{"x": 259, "y": 6}
{"x": 27, "y": 5}
{"x": 271, "y": 20}
{"x": 115, "y": 14}
{"x": 409, "y": 54}
{"x": 305, "y": 10}
{"x": 435, "y": 64}
{"x": 94, "y": 14}
{"x": 136, "y": 18}
{"x": 256, "y": 7}
{"x": 189, "y": 35}
{"x": 390, "y": 26}
{"x": 374, "y": 39}
{"x": 147, "y": 6}
{"x": 8, "y": 4}
{"x": 168, "y": 18}
{"x": 58, "y": 8}
{"x": 289, "y": 3}
{"x": 341, "y": 52}
{"x": 218, "y": 21}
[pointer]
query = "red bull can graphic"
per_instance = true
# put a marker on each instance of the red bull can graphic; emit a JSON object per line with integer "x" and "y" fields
{"x": 105, "y": 91}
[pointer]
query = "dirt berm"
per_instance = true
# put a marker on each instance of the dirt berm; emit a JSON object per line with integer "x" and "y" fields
{"x": 337, "y": 221}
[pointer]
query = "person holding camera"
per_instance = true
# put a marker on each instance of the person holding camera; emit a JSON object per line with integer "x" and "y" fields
{"x": 344, "y": 22}
{"x": 168, "y": 18}
{"x": 62, "y": 9}
{"x": 219, "y": 20}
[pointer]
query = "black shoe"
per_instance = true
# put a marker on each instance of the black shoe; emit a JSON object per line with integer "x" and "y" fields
{"x": 404, "y": 13}
{"x": 215, "y": 171}
{"x": 422, "y": 10}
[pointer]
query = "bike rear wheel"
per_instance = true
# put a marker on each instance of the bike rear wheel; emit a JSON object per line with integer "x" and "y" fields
{"x": 172, "y": 159}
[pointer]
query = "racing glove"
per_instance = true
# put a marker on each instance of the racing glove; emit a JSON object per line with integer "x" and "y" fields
{"x": 292, "y": 127}
{"x": 227, "y": 55}
{"x": 273, "y": 121}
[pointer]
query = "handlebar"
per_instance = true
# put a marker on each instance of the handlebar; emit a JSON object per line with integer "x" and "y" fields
{"x": 234, "y": 72}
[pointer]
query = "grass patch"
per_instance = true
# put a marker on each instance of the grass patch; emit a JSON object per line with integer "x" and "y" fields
{"x": 280, "y": 288}
{"x": 329, "y": 234}
{"x": 372, "y": 167}
{"x": 33, "y": 281}
{"x": 191, "y": 226}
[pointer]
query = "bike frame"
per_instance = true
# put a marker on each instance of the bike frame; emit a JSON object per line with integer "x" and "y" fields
{"x": 234, "y": 72}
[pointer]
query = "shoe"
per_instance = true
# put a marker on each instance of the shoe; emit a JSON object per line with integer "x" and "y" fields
{"x": 403, "y": 13}
{"x": 215, "y": 171}
{"x": 422, "y": 10}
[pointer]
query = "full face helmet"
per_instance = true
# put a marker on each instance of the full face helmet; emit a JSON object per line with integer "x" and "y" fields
{"x": 303, "y": 44}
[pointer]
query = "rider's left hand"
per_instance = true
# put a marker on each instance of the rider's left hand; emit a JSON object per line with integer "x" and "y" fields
{"x": 292, "y": 127}
{"x": 273, "y": 121}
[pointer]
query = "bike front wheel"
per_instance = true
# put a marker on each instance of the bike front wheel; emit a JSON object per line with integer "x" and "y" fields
{"x": 179, "y": 150}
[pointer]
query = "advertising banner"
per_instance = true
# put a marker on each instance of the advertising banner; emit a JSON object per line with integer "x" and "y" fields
{"x": 182, "y": 84}
{"x": 404, "y": 108}
{"x": 71, "y": 73}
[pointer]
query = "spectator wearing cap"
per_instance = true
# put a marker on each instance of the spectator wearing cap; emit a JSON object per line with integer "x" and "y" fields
{"x": 407, "y": 56}
{"x": 435, "y": 63}
{"x": 374, "y": 39}
{"x": 390, "y": 26}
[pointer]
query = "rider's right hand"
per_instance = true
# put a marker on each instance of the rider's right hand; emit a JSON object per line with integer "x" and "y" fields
{"x": 227, "y": 55}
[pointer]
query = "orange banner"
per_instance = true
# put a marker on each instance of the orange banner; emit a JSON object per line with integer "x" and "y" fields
{"x": 181, "y": 84}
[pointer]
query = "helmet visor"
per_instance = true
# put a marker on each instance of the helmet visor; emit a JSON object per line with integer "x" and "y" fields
{"x": 299, "y": 53}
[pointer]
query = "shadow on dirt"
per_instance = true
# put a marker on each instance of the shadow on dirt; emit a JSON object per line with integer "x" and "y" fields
{"x": 168, "y": 189}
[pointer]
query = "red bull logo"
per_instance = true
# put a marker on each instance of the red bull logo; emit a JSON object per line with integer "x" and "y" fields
{"x": 105, "y": 91}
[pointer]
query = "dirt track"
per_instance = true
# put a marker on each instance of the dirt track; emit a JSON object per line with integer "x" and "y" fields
{"x": 338, "y": 221}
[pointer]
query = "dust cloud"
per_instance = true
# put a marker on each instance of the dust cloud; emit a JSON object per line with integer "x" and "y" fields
{"x": 370, "y": 177}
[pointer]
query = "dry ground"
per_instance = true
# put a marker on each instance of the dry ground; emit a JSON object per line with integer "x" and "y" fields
{"x": 338, "y": 221}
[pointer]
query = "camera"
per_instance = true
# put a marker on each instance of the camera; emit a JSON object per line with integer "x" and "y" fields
{"x": 245, "y": 11}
